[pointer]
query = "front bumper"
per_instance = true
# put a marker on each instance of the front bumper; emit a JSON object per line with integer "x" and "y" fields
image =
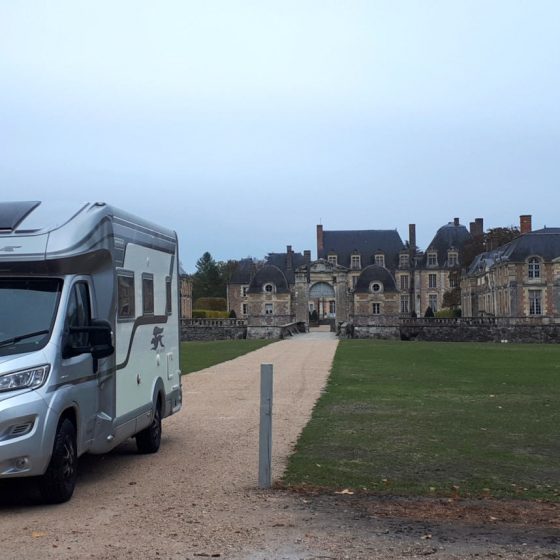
{"x": 26, "y": 437}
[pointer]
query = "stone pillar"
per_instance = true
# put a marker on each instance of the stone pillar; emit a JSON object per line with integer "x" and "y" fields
{"x": 341, "y": 298}
{"x": 302, "y": 297}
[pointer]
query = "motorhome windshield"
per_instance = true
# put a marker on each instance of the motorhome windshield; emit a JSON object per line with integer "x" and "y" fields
{"x": 27, "y": 313}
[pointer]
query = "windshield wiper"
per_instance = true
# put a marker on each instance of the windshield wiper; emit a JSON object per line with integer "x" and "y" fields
{"x": 9, "y": 341}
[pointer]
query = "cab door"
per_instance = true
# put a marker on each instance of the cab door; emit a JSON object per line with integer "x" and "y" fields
{"x": 77, "y": 371}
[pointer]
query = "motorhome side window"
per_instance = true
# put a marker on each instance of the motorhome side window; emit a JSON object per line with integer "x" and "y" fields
{"x": 168, "y": 298}
{"x": 147, "y": 294}
{"x": 125, "y": 283}
{"x": 79, "y": 313}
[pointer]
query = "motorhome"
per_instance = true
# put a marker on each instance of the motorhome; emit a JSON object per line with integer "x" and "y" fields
{"x": 89, "y": 337}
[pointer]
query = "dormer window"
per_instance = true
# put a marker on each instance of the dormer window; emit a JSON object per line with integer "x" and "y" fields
{"x": 380, "y": 259}
{"x": 404, "y": 261}
{"x": 355, "y": 262}
{"x": 432, "y": 258}
{"x": 333, "y": 259}
{"x": 452, "y": 258}
{"x": 269, "y": 288}
{"x": 534, "y": 268}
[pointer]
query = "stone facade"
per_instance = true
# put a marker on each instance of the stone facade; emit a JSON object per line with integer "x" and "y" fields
{"x": 519, "y": 279}
{"x": 371, "y": 280}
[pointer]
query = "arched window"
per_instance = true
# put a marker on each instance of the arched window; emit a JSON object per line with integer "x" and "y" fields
{"x": 268, "y": 288}
{"x": 534, "y": 267}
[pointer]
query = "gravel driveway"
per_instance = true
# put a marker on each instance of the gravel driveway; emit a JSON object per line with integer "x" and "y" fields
{"x": 197, "y": 497}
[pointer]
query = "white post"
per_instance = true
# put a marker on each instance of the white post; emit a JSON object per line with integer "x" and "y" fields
{"x": 265, "y": 431}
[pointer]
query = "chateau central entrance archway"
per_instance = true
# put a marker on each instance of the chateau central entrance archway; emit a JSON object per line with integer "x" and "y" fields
{"x": 322, "y": 297}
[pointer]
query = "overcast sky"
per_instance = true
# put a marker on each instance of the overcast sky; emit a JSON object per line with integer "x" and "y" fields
{"x": 243, "y": 124}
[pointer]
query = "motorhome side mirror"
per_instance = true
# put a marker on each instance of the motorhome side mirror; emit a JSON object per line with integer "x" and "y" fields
{"x": 101, "y": 339}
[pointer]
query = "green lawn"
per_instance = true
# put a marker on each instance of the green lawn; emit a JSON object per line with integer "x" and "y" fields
{"x": 439, "y": 419}
{"x": 200, "y": 355}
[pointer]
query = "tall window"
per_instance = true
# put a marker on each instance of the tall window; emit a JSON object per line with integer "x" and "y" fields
{"x": 244, "y": 291}
{"x": 432, "y": 281}
{"x": 355, "y": 262}
{"x": 535, "y": 302}
{"x": 403, "y": 261}
{"x": 245, "y": 309}
{"x": 268, "y": 309}
{"x": 332, "y": 307}
{"x": 452, "y": 259}
{"x": 376, "y": 308}
{"x": 380, "y": 260}
{"x": 168, "y": 297}
{"x": 125, "y": 295}
{"x": 404, "y": 282}
{"x": 432, "y": 259}
{"x": 404, "y": 304}
{"x": 79, "y": 314}
{"x": 147, "y": 294}
{"x": 534, "y": 268}
{"x": 432, "y": 302}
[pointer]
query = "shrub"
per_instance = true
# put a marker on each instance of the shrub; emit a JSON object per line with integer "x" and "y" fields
{"x": 445, "y": 314}
{"x": 211, "y": 303}
{"x": 209, "y": 314}
{"x": 429, "y": 312}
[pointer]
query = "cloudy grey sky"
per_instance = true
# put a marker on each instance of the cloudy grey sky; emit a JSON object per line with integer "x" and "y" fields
{"x": 243, "y": 124}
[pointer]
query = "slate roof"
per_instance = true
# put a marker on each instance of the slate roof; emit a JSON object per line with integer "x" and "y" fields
{"x": 544, "y": 243}
{"x": 374, "y": 273}
{"x": 447, "y": 237}
{"x": 243, "y": 272}
{"x": 366, "y": 242}
{"x": 269, "y": 274}
{"x": 280, "y": 260}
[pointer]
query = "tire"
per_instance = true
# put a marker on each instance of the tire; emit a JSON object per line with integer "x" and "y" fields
{"x": 58, "y": 483}
{"x": 149, "y": 439}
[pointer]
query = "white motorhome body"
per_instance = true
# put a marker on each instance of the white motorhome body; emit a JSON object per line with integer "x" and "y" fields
{"x": 89, "y": 336}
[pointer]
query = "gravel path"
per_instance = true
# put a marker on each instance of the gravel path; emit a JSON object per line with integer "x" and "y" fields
{"x": 197, "y": 497}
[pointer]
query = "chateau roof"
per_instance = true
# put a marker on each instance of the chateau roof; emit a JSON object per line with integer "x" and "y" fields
{"x": 544, "y": 243}
{"x": 364, "y": 242}
{"x": 374, "y": 273}
{"x": 269, "y": 274}
{"x": 243, "y": 272}
{"x": 449, "y": 236}
{"x": 280, "y": 260}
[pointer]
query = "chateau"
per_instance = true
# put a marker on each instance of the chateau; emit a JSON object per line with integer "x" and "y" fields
{"x": 373, "y": 277}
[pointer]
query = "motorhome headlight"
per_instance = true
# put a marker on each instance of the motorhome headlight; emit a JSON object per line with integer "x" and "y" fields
{"x": 24, "y": 379}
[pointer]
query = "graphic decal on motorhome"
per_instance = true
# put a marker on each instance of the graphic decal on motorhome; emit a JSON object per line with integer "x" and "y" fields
{"x": 158, "y": 335}
{"x": 10, "y": 248}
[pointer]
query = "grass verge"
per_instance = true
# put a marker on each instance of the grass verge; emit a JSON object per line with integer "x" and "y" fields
{"x": 436, "y": 419}
{"x": 199, "y": 355}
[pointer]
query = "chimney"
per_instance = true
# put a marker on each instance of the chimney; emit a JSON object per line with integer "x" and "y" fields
{"x": 456, "y": 222}
{"x": 412, "y": 239}
{"x": 320, "y": 244}
{"x": 307, "y": 256}
{"x": 526, "y": 223}
{"x": 289, "y": 258}
{"x": 477, "y": 227}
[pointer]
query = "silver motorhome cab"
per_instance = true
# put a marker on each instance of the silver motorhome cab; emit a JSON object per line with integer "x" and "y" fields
{"x": 89, "y": 337}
